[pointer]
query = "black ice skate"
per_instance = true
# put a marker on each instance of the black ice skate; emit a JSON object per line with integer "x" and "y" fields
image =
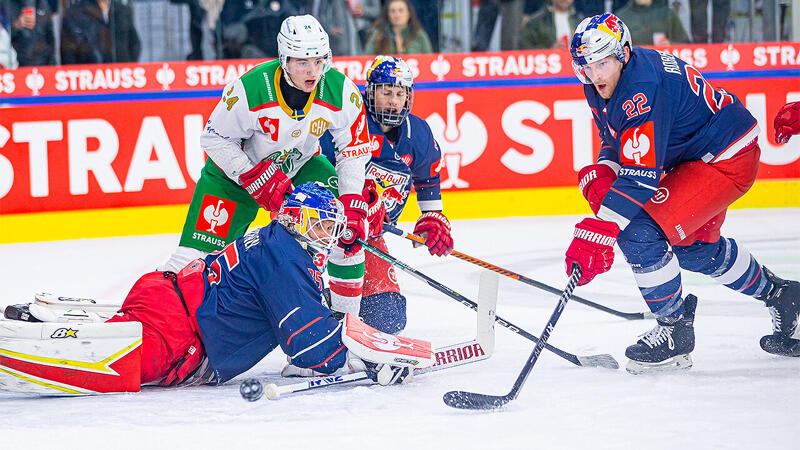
{"x": 667, "y": 346}
{"x": 783, "y": 301}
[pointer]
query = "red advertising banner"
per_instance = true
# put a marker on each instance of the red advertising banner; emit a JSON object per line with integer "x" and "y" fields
{"x": 86, "y": 137}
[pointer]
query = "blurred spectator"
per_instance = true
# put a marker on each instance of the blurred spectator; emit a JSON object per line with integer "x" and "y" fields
{"x": 262, "y": 21}
{"x": 652, "y": 24}
{"x": 8, "y": 56}
{"x": 551, "y": 26}
{"x": 721, "y": 11}
{"x": 428, "y": 14}
{"x": 32, "y": 32}
{"x": 196, "y": 16}
{"x": 236, "y": 46}
{"x": 336, "y": 18}
{"x": 510, "y": 12}
{"x": 99, "y": 31}
{"x": 397, "y": 30}
{"x": 364, "y": 14}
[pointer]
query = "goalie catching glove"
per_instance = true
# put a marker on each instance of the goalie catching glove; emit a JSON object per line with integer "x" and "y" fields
{"x": 592, "y": 248}
{"x": 267, "y": 184}
{"x": 787, "y": 122}
{"x": 435, "y": 228}
{"x": 355, "y": 211}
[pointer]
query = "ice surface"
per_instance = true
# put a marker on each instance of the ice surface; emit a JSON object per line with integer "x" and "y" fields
{"x": 735, "y": 396}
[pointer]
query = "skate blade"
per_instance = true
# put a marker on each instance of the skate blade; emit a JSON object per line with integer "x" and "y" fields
{"x": 679, "y": 362}
{"x": 786, "y": 347}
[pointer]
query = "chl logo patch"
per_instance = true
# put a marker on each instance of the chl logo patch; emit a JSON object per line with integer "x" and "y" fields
{"x": 639, "y": 146}
{"x": 215, "y": 216}
{"x": 318, "y": 127}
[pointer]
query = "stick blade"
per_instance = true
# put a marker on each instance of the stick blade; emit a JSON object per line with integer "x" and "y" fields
{"x": 472, "y": 400}
{"x": 605, "y": 361}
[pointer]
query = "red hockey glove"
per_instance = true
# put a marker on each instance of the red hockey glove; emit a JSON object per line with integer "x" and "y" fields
{"x": 595, "y": 181}
{"x": 592, "y": 248}
{"x": 376, "y": 211}
{"x": 355, "y": 210}
{"x": 267, "y": 184}
{"x": 787, "y": 122}
{"x": 435, "y": 228}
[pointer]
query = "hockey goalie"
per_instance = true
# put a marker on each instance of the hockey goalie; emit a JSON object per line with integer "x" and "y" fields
{"x": 210, "y": 322}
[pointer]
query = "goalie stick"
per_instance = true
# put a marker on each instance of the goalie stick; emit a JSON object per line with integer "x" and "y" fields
{"x": 529, "y": 281}
{"x": 472, "y": 400}
{"x": 447, "y": 357}
{"x": 604, "y": 360}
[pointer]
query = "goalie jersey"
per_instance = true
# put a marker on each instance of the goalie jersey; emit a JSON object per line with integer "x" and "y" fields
{"x": 662, "y": 113}
{"x": 252, "y": 122}
{"x": 409, "y": 155}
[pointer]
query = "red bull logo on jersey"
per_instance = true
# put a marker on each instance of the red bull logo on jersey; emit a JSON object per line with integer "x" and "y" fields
{"x": 390, "y": 185}
{"x": 215, "y": 215}
{"x": 638, "y": 146}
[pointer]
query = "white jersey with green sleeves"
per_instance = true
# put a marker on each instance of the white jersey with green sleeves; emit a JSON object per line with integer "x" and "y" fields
{"x": 252, "y": 122}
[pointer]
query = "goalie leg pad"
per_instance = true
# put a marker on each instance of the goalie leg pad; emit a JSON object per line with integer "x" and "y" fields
{"x": 375, "y": 346}
{"x": 70, "y": 358}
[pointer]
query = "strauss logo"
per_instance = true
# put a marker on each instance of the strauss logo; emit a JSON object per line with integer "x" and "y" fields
{"x": 462, "y": 139}
{"x": 215, "y": 215}
{"x": 636, "y": 147}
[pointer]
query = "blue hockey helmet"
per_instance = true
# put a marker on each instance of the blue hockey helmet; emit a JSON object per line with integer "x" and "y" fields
{"x": 395, "y": 72}
{"x": 595, "y": 38}
{"x": 314, "y": 215}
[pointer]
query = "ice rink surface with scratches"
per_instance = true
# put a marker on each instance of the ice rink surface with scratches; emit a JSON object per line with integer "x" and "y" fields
{"x": 736, "y": 395}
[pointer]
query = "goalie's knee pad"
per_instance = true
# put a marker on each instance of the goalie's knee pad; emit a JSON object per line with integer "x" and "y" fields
{"x": 385, "y": 311}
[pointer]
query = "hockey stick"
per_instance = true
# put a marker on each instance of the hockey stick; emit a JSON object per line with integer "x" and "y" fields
{"x": 604, "y": 360}
{"x": 486, "y": 265}
{"x": 472, "y": 400}
{"x": 447, "y": 357}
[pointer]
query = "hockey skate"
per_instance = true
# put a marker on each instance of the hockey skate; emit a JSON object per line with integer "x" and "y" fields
{"x": 666, "y": 347}
{"x": 52, "y": 308}
{"x": 783, "y": 301}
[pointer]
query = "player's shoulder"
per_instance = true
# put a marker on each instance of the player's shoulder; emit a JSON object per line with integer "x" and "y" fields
{"x": 259, "y": 82}
{"x": 419, "y": 128}
{"x": 335, "y": 87}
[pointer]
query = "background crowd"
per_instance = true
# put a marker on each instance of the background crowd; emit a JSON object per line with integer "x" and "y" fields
{"x": 46, "y": 32}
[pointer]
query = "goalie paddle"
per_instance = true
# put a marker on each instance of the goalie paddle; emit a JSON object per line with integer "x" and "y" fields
{"x": 473, "y": 400}
{"x": 605, "y": 360}
{"x": 529, "y": 281}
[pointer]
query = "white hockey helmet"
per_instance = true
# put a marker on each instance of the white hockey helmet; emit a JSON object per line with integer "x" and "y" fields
{"x": 303, "y": 37}
{"x": 595, "y": 38}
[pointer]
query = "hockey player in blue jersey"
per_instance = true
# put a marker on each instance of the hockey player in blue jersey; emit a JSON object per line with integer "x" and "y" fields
{"x": 404, "y": 153}
{"x": 220, "y": 315}
{"x": 676, "y": 152}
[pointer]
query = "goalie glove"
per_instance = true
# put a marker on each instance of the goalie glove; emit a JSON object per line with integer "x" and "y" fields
{"x": 595, "y": 181}
{"x": 267, "y": 184}
{"x": 376, "y": 211}
{"x": 435, "y": 228}
{"x": 355, "y": 210}
{"x": 787, "y": 122}
{"x": 592, "y": 248}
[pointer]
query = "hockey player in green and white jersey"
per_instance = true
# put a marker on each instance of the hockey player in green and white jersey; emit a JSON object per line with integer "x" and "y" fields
{"x": 262, "y": 138}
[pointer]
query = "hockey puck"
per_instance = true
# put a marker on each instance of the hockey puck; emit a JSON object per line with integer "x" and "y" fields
{"x": 251, "y": 389}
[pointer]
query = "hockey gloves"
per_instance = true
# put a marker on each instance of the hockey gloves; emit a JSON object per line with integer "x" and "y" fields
{"x": 787, "y": 122}
{"x": 355, "y": 211}
{"x": 592, "y": 248}
{"x": 376, "y": 211}
{"x": 267, "y": 184}
{"x": 435, "y": 228}
{"x": 595, "y": 181}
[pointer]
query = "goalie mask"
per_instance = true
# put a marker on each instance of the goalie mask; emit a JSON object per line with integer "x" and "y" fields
{"x": 596, "y": 38}
{"x": 386, "y": 72}
{"x": 314, "y": 215}
{"x": 303, "y": 37}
